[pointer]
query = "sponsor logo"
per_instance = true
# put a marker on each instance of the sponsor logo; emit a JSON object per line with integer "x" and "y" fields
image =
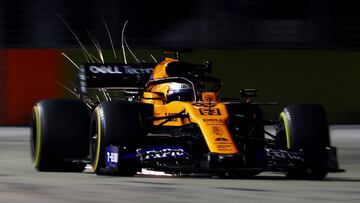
{"x": 141, "y": 70}
{"x": 105, "y": 69}
{"x": 113, "y": 69}
{"x": 217, "y": 130}
{"x": 210, "y": 111}
{"x": 162, "y": 153}
{"x": 212, "y": 120}
{"x": 225, "y": 149}
{"x": 223, "y": 146}
{"x": 136, "y": 71}
{"x": 111, "y": 156}
{"x": 130, "y": 70}
{"x": 172, "y": 114}
{"x": 208, "y": 105}
{"x": 221, "y": 139}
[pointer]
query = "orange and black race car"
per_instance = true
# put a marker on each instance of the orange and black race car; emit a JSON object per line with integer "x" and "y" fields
{"x": 168, "y": 117}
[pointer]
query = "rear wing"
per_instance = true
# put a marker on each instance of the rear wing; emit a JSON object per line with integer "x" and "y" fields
{"x": 114, "y": 76}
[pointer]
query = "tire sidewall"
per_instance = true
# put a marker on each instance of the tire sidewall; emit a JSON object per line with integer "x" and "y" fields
{"x": 307, "y": 133}
{"x": 59, "y": 135}
{"x": 119, "y": 124}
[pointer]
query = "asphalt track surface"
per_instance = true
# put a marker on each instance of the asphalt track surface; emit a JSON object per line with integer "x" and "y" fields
{"x": 19, "y": 182}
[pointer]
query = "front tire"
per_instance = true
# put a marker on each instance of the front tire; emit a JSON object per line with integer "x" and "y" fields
{"x": 304, "y": 129}
{"x": 116, "y": 123}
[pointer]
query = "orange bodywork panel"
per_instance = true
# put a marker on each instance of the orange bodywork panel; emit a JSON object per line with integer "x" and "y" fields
{"x": 160, "y": 69}
{"x": 209, "y": 96}
{"x": 158, "y": 73}
{"x": 153, "y": 98}
{"x": 211, "y": 117}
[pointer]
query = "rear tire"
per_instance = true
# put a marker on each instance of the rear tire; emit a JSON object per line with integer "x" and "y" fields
{"x": 59, "y": 135}
{"x": 304, "y": 129}
{"x": 116, "y": 123}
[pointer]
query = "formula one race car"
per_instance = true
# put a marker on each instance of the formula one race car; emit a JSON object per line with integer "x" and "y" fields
{"x": 175, "y": 123}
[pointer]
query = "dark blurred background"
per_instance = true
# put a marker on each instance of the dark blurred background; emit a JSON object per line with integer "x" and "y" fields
{"x": 237, "y": 24}
{"x": 292, "y": 51}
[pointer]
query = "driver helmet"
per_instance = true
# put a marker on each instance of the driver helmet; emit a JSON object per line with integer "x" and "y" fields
{"x": 179, "y": 92}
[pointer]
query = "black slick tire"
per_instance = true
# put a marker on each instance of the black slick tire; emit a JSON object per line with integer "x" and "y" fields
{"x": 59, "y": 135}
{"x": 304, "y": 129}
{"x": 116, "y": 123}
